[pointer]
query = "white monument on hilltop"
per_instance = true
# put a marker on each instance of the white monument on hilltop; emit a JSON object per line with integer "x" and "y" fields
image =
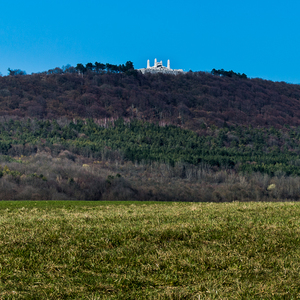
{"x": 159, "y": 68}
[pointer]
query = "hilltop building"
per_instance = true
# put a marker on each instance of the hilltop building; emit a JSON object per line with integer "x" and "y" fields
{"x": 159, "y": 68}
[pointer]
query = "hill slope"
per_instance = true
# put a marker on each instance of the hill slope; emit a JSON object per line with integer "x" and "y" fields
{"x": 193, "y": 100}
{"x": 121, "y": 159}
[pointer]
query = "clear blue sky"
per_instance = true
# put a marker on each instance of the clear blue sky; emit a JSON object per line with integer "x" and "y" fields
{"x": 259, "y": 38}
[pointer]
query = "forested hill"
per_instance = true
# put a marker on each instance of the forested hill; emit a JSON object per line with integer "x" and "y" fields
{"x": 195, "y": 99}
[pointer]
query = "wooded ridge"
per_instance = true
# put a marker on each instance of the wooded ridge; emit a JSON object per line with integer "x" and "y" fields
{"x": 193, "y": 100}
{"x": 119, "y": 134}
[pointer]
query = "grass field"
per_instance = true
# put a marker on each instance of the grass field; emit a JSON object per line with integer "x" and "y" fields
{"x": 143, "y": 250}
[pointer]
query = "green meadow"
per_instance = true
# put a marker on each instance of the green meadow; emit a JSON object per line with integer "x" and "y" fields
{"x": 149, "y": 250}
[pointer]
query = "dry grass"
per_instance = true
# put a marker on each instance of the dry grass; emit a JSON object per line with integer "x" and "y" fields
{"x": 149, "y": 251}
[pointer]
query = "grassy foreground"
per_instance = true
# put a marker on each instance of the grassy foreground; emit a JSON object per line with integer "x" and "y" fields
{"x": 100, "y": 250}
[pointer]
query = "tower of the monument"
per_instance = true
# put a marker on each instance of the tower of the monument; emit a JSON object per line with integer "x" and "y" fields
{"x": 158, "y": 67}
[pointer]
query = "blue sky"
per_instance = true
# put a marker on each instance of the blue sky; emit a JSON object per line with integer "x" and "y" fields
{"x": 259, "y": 38}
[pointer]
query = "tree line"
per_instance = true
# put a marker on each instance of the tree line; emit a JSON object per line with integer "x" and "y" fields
{"x": 230, "y": 73}
{"x": 100, "y": 67}
{"x": 80, "y": 68}
{"x": 243, "y": 149}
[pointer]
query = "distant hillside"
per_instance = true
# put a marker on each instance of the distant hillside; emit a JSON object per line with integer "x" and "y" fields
{"x": 194, "y": 100}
